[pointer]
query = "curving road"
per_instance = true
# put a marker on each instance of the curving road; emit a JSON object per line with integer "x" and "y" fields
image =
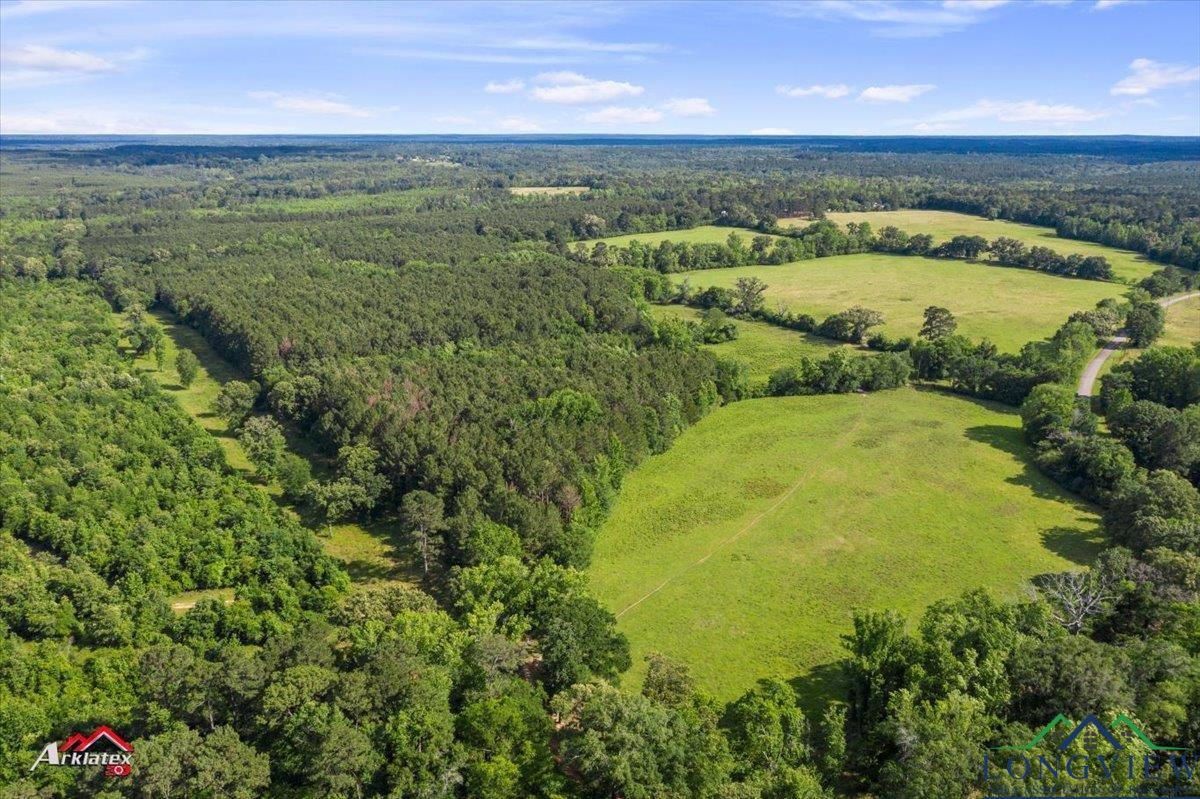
{"x": 1087, "y": 380}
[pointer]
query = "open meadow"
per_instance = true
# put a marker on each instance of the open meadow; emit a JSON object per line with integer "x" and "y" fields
{"x": 945, "y": 225}
{"x": 1006, "y": 305}
{"x": 546, "y": 191}
{"x": 704, "y": 234}
{"x": 763, "y": 348}
{"x": 1183, "y": 324}
{"x": 744, "y": 548}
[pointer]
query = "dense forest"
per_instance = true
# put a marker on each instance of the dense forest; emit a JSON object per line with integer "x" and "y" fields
{"x": 483, "y": 382}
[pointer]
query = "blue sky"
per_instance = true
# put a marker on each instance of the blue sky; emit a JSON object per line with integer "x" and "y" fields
{"x": 860, "y": 67}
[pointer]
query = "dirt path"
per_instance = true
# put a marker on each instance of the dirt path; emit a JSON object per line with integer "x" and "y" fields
{"x": 1087, "y": 381}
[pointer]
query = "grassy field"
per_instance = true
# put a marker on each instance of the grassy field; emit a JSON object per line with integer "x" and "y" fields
{"x": 761, "y": 347}
{"x": 1183, "y": 324}
{"x": 705, "y": 234}
{"x": 1008, "y": 306}
{"x": 944, "y": 225}
{"x": 549, "y": 191}
{"x": 744, "y": 548}
{"x": 368, "y": 551}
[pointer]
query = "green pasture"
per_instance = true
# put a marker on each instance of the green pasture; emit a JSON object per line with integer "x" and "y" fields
{"x": 1008, "y": 306}
{"x": 944, "y": 225}
{"x": 761, "y": 347}
{"x": 743, "y": 549}
{"x": 705, "y": 234}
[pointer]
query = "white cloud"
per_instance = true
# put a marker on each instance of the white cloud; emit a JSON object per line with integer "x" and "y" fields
{"x": 506, "y": 87}
{"x": 519, "y": 125}
{"x": 832, "y": 90}
{"x": 901, "y": 19}
{"x": 573, "y": 88}
{"x": 689, "y": 107}
{"x": 48, "y": 59}
{"x": 1104, "y": 5}
{"x": 772, "y": 132}
{"x": 324, "y": 105}
{"x": 1150, "y": 76}
{"x": 895, "y": 94}
{"x": 1022, "y": 112}
{"x": 624, "y": 115}
{"x": 34, "y": 64}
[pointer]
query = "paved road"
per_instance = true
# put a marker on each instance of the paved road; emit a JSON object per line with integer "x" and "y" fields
{"x": 1087, "y": 381}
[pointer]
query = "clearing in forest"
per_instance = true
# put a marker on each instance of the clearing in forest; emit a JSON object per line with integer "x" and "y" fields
{"x": 366, "y": 550}
{"x": 1006, "y": 305}
{"x": 743, "y": 549}
{"x": 548, "y": 191}
{"x": 945, "y": 225}
{"x": 763, "y": 348}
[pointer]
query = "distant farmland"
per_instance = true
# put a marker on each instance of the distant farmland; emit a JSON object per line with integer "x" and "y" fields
{"x": 744, "y": 548}
{"x": 705, "y": 234}
{"x": 944, "y": 225}
{"x": 526, "y": 191}
{"x": 1006, "y": 305}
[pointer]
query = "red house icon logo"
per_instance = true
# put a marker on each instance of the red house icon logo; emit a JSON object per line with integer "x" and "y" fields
{"x": 76, "y": 751}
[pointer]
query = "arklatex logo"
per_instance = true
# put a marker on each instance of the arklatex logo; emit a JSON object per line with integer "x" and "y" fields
{"x": 76, "y": 752}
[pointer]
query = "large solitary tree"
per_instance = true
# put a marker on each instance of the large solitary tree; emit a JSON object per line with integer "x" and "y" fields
{"x": 422, "y": 514}
{"x": 748, "y": 294}
{"x": 187, "y": 365}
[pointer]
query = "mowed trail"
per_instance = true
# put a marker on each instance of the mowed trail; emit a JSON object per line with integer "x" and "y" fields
{"x": 750, "y": 525}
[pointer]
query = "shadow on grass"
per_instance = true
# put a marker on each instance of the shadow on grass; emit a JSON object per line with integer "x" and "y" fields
{"x": 1073, "y": 543}
{"x": 1081, "y": 544}
{"x": 1008, "y": 439}
{"x": 818, "y": 686}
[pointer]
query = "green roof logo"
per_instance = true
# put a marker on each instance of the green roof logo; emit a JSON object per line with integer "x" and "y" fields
{"x": 1093, "y": 723}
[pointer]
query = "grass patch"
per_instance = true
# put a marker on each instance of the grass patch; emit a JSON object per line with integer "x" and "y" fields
{"x": 744, "y": 548}
{"x": 1183, "y": 324}
{"x": 1008, "y": 306}
{"x": 761, "y": 347}
{"x": 181, "y": 603}
{"x": 369, "y": 551}
{"x": 705, "y": 234}
{"x": 944, "y": 225}
{"x": 547, "y": 191}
